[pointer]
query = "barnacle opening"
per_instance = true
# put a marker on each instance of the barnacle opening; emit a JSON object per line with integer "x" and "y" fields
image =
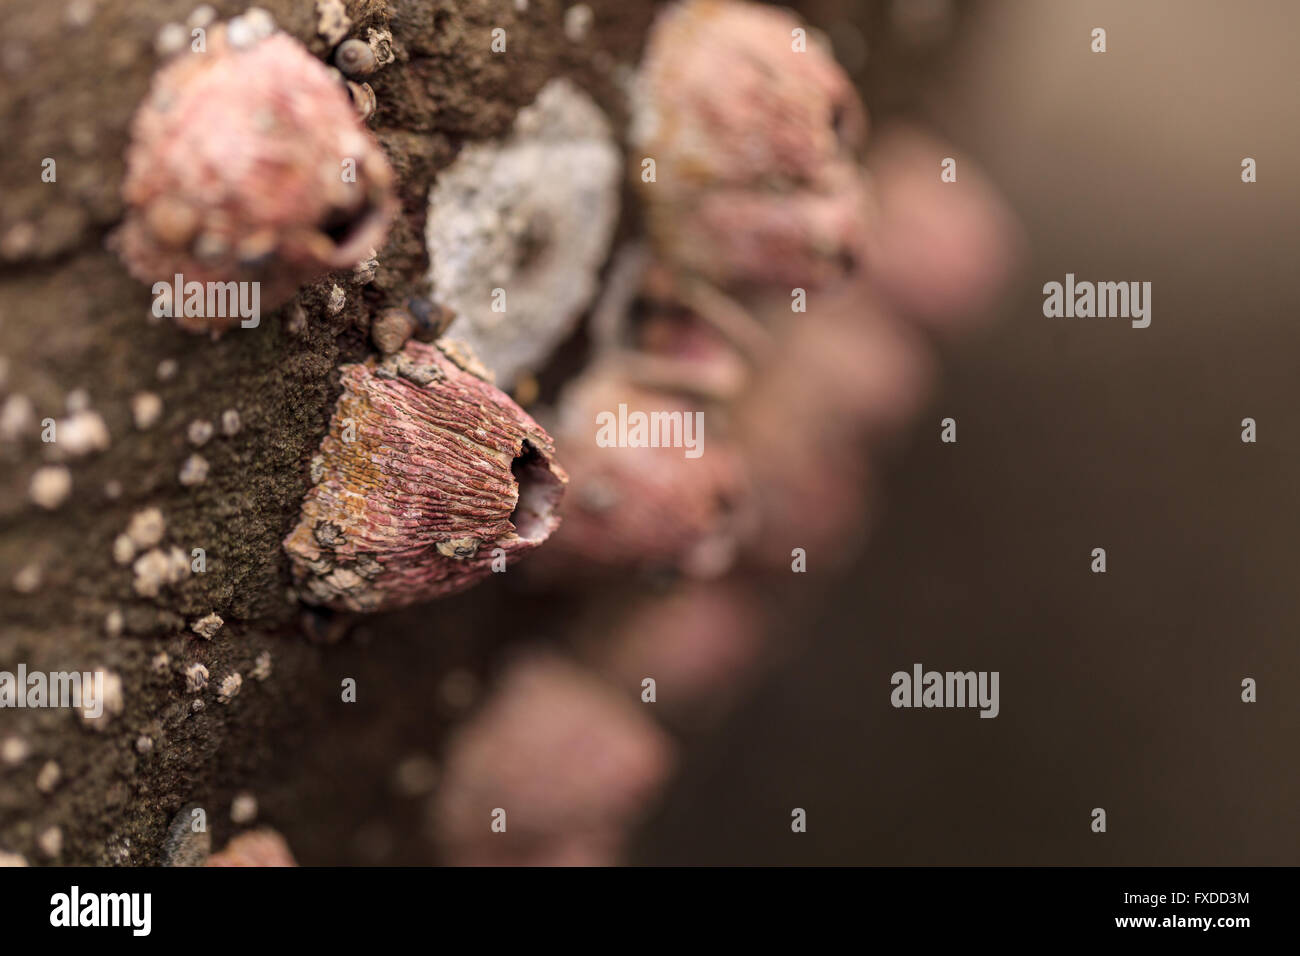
{"x": 352, "y": 231}
{"x": 539, "y": 494}
{"x": 533, "y": 242}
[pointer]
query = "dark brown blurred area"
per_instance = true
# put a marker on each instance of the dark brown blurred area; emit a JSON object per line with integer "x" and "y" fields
{"x": 1121, "y": 690}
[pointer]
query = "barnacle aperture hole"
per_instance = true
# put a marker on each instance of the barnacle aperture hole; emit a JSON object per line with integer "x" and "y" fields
{"x": 842, "y": 125}
{"x": 539, "y": 495}
{"x": 847, "y": 121}
{"x": 533, "y": 241}
{"x": 849, "y": 260}
{"x": 346, "y": 228}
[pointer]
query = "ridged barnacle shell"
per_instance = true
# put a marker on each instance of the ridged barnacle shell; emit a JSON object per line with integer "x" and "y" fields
{"x": 532, "y": 216}
{"x": 755, "y": 144}
{"x": 426, "y": 471}
{"x": 247, "y": 163}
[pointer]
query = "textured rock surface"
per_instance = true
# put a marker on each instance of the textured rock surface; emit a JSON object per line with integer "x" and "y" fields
{"x": 71, "y": 318}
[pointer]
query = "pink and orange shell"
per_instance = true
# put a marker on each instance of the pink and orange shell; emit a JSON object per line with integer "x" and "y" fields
{"x": 643, "y": 508}
{"x": 429, "y": 476}
{"x": 248, "y": 163}
{"x": 755, "y": 133}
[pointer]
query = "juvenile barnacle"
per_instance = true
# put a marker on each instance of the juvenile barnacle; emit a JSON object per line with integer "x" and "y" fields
{"x": 355, "y": 58}
{"x": 247, "y": 163}
{"x": 428, "y": 476}
{"x": 196, "y": 678}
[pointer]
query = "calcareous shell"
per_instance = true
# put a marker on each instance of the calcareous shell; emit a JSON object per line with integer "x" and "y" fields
{"x": 429, "y": 476}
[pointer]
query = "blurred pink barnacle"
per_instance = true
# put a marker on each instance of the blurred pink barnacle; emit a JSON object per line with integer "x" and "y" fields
{"x": 247, "y": 163}
{"x": 262, "y": 847}
{"x": 571, "y": 760}
{"x": 754, "y": 130}
{"x": 430, "y": 478}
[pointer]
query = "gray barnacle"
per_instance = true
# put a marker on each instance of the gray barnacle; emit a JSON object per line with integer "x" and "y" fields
{"x": 188, "y": 842}
{"x": 458, "y": 549}
{"x": 363, "y": 99}
{"x": 381, "y": 45}
{"x": 402, "y": 365}
{"x": 329, "y": 534}
{"x": 355, "y": 58}
{"x": 517, "y": 230}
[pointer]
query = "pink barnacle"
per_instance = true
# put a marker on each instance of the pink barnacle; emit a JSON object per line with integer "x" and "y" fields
{"x": 681, "y": 504}
{"x": 754, "y": 131}
{"x": 555, "y": 769}
{"x": 247, "y": 164}
{"x": 432, "y": 478}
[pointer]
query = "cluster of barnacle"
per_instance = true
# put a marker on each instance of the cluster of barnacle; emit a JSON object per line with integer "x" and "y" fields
{"x": 431, "y": 477}
{"x": 758, "y": 200}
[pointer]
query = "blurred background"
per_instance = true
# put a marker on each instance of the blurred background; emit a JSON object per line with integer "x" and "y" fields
{"x": 1120, "y": 690}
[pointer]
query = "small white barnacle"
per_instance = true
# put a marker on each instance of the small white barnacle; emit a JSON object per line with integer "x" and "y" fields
{"x": 207, "y": 626}
{"x": 111, "y": 703}
{"x": 229, "y": 689}
{"x": 261, "y": 667}
{"x": 196, "y": 678}
{"x": 243, "y": 808}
